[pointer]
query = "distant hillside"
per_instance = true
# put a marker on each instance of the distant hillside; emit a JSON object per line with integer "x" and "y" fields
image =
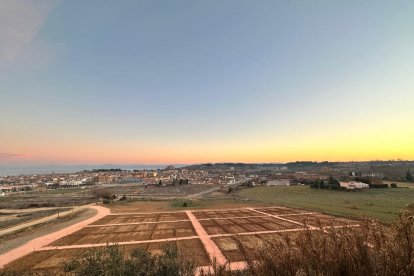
{"x": 239, "y": 166}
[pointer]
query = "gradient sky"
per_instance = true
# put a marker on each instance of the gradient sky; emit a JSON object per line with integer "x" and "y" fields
{"x": 153, "y": 81}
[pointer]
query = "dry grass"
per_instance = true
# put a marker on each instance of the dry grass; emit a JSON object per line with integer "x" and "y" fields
{"x": 370, "y": 249}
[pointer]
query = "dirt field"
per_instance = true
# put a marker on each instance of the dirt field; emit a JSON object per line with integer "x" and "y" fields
{"x": 203, "y": 234}
{"x": 230, "y": 246}
{"x": 141, "y": 218}
{"x": 51, "y": 261}
{"x": 148, "y": 206}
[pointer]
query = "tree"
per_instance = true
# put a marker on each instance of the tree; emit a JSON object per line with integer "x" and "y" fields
{"x": 409, "y": 176}
{"x": 334, "y": 183}
{"x": 321, "y": 184}
{"x": 160, "y": 183}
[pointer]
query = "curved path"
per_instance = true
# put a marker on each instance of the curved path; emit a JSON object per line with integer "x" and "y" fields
{"x": 40, "y": 242}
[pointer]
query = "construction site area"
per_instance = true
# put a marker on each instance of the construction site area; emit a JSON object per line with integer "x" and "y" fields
{"x": 205, "y": 235}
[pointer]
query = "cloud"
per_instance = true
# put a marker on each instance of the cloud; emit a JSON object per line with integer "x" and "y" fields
{"x": 7, "y": 155}
{"x": 20, "y": 22}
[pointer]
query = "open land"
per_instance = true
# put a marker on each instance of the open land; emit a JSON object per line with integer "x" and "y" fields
{"x": 383, "y": 204}
{"x": 10, "y": 219}
{"x": 203, "y": 233}
{"x": 17, "y": 239}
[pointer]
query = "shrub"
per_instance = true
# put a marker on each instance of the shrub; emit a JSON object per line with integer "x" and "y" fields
{"x": 106, "y": 201}
{"x": 394, "y": 185}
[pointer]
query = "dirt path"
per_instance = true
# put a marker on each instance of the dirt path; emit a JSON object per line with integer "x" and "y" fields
{"x": 212, "y": 249}
{"x": 40, "y": 242}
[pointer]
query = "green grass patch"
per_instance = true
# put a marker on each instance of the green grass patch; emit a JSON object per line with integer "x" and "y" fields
{"x": 382, "y": 204}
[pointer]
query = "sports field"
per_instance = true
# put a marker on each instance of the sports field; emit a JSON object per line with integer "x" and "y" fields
{"x": 202, "y": 234}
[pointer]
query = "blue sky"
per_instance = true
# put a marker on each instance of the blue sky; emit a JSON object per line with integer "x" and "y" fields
{"x": 194, "y": 81}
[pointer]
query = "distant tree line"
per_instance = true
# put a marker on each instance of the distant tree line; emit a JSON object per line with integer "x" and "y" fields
{"x": 331, "y": 184}
{"x": 180, "y": 182}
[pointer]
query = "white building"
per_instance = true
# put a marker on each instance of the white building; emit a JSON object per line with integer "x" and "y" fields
{"x": 278, "y": 182}
{"x": 354, "y": 185}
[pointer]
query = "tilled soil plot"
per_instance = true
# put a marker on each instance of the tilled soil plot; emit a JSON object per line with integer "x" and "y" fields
{"x": 224, "y": 214}
{"x": 127, "y": 233}
{"x": 50, "y": 262}
{"x": 322, "y": 220}
{"x": 141, "y": 218}
{"x": 235, "y": 226}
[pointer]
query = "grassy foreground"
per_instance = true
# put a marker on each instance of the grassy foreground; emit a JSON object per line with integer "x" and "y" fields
{"x": 382, "y": 204}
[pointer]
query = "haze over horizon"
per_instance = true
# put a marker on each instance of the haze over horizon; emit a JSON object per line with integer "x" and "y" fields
{"x": 180, "y": 82}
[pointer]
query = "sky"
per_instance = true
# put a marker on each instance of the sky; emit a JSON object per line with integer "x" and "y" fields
{"x": 158, "y": 82}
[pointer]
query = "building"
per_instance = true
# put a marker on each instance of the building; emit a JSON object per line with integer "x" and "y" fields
{"x": 278, "y": 182}
{"x": 105, "y": 179}
{"x": 354, "y": 185}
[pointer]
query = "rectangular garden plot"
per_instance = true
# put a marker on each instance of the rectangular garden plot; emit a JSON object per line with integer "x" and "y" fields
{"x": 237, "y": 248}
{"x": 50, "y": 262}
{"x": 141, "y": 218}
{"x": 317, "y": 220}
{"x": 224, "y": 214}
{"x": 247, "y": 225}
{"x": 127, "y": 233}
